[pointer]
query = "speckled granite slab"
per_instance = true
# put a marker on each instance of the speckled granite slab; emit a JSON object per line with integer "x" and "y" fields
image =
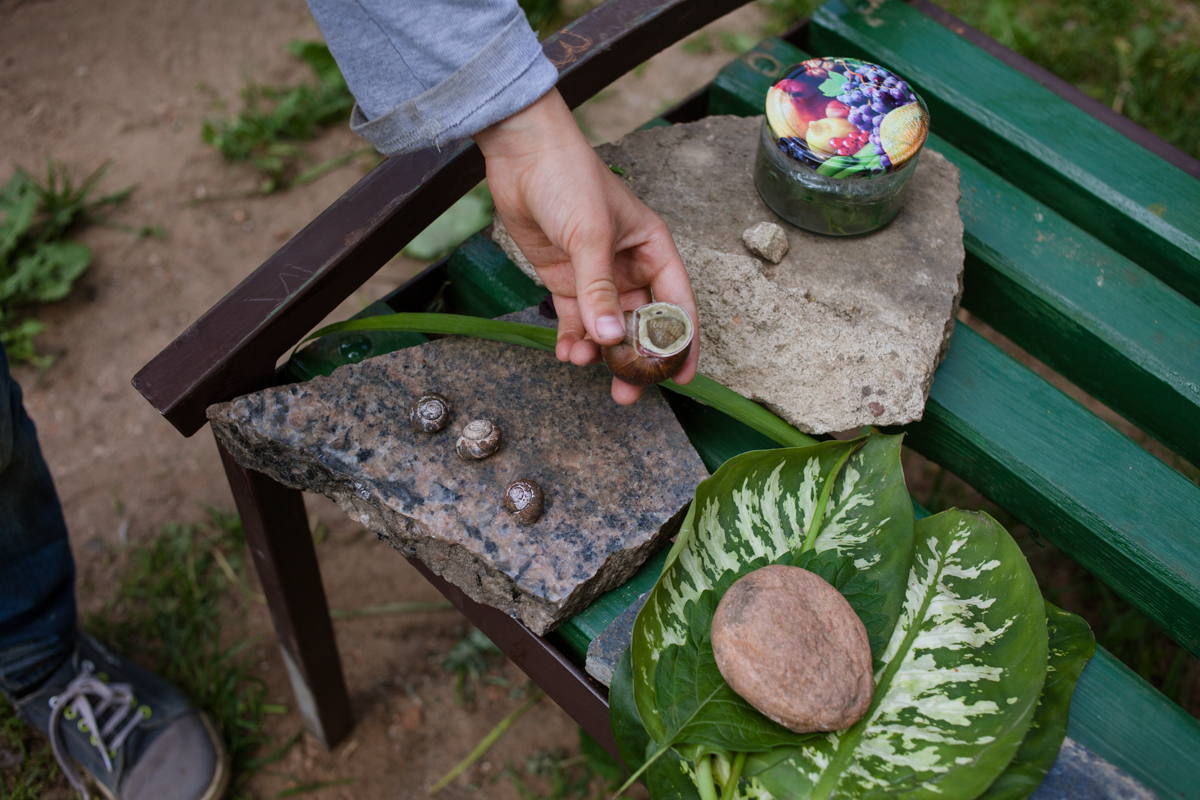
{"x": 613, "y": 477}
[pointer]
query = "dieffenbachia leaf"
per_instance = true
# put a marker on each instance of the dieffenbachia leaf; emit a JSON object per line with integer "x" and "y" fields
{"x": 1071, "y": 647}
{"x": 758, "y": 508}
{"x": 700, "y": 710}
{"x": 668, "y": 778}
{"x": 960, "y": 680}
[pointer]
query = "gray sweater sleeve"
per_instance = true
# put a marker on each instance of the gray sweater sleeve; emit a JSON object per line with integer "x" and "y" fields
{"x": 428, "y": 72}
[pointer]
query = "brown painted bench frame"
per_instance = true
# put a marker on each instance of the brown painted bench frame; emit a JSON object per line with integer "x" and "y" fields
{"x": 233, "y": 348}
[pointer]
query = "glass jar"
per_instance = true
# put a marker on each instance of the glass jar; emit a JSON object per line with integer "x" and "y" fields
{"x": 839, "y": 143}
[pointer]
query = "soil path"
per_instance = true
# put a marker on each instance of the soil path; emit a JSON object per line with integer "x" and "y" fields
{"x": 132, "y": 80}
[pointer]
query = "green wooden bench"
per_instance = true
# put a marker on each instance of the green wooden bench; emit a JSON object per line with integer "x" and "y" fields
{"x": 1082, "y": 235}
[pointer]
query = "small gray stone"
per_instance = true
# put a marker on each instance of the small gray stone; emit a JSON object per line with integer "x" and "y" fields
{"x": 766, "y": 240}
{"x": 844, "y": 331}
{"x": 606, "y": 649}
{"x": 614, "y": 477}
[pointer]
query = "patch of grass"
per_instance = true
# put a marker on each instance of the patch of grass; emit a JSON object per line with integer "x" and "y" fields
{"x": 39, "y": 263}
{"x": 266, "y": 132}
{"x": 783, "y": 14}
{"x": 592, "y": 773}
{"x": 545, "y": 16}
{"x": 174, "y": 600}
{"x": 468, "y": 660}
{"x": 170, "y": 608}
{"x": 275, "y": 120}
{"x": 469, "y": 213}
{"x": 699, "y": 45}
{"x": 1141, "y": 59}
{"x": 737, "y": 42}
{"x": 28, "y": 770}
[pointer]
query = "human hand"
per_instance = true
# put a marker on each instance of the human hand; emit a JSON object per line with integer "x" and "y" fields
{"x": 597, "y": 247}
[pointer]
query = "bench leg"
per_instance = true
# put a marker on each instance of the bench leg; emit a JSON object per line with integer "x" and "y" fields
{"x": 277, "y": 531}
{"x": 564, "y": 683}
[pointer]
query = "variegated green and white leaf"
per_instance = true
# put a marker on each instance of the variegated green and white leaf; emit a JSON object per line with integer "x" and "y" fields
{"x": 961, "y": 677}
{"x": 762, "y": 506}
{"x": 1071, "y": 647}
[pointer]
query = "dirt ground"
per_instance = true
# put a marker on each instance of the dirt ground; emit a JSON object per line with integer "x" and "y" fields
{"x": 132, "y": 80}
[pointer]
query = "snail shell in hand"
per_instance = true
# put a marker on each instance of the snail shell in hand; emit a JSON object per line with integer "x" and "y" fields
{"x": 658, "y": 337}
{"x": 523, "y": 499}
{"x": 430, "y": 413}
{"x": 479, "y": 440}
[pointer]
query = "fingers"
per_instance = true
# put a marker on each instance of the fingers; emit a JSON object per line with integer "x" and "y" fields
{"x": 596, "y": 289}
{"x": 570, "y": 327}
{"x": 573, "y": 344}
{"x": 625, "y": 394}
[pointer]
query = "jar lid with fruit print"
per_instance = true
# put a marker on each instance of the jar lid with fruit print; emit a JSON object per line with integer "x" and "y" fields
{"x": 838, "y": 146}
{"x": 846, "y": 118}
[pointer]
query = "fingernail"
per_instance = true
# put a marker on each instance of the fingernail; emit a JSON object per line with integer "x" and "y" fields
{"x": 609, "y": 328}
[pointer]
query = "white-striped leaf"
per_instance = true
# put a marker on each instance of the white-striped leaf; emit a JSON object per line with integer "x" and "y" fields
{"x": 960, "y": 679}
{"x": 761, "y": 505}
{"x": 1071, "y": 647}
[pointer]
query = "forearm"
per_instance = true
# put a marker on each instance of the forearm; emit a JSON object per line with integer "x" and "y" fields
{"x": 417, "y": 86}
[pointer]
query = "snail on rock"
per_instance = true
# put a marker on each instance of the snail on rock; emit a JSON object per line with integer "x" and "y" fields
{"x": 479, "y": 440}
{"x": 430, "y": 413}
{"x": 658, "y": 337}
{"x": 523, "y": 499}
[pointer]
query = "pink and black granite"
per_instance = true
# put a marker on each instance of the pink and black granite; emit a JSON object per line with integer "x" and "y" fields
{"x": 615, "y": 479}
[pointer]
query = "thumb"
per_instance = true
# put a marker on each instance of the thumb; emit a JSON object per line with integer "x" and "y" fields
{"x": 596, "y": 291}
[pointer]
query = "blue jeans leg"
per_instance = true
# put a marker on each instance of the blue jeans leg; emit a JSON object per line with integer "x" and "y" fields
{"x": 37, "y": 572}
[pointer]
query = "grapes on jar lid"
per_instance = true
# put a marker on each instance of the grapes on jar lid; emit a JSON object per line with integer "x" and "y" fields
{"x": 837, "y": 145}
{"x": 846, "y": 118}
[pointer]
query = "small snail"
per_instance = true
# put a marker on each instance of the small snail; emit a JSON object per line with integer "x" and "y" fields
{"x": 657, "y": 339}
{"x": 430, "y": 413}
{"x": 523, "y": 499}
{"x": 479, "y": 440}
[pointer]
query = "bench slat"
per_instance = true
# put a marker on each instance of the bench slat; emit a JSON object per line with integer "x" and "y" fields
{"x": 1085, "y": 310}
{"x": 1097, "y": 178}
{"x": 484, "y": 283}
{"x": 1128, "y": 722}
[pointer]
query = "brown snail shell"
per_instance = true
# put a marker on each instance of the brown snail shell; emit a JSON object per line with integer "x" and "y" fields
{"x": 523, "y": 499}
{"x": 658, "y": 337}
{"x": 478, "y": 440}
{"x": 430, "y": 413}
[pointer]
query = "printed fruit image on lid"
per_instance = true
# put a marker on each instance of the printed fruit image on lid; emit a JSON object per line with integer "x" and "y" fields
{"x": 844, "y": 117}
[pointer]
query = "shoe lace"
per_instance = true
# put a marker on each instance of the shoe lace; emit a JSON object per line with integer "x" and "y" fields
{"x": 89, "y": 698}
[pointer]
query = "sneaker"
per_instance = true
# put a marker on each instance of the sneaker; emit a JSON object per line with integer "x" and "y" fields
{"x": 126, "y": 731}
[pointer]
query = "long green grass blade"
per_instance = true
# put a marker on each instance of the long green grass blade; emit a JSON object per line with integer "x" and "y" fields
{"x": 701, "y": 388}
